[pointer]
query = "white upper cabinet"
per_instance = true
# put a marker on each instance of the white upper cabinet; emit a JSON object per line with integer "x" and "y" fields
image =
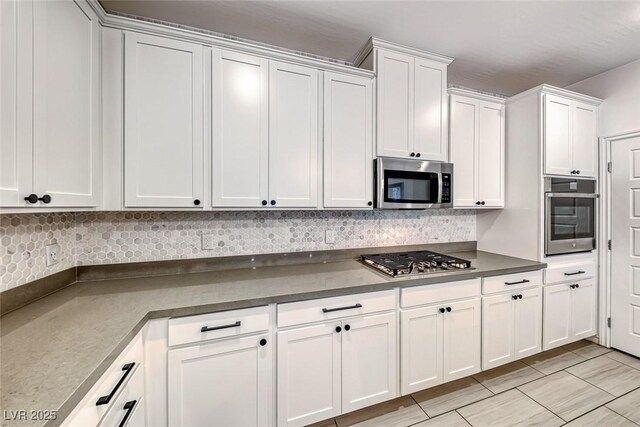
{"x": 163, "y": 123}
{"x": 49, "y": 105}
{"x": 411, "y": 102}
{"x": 570, "y": 137}
{"x": 477, "y": 147}
{"x": 293, "y": 136}
{"x": 348, "y": 141}
{"x": 240, "y": 167}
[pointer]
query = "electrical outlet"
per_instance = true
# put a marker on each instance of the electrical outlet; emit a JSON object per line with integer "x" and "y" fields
{"x": 329, "y": 237}
{"x": 208, "y": 242}
{"x": 52, "y": 254}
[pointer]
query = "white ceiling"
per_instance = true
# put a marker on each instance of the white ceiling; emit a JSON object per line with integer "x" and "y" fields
{"x": 499, "y": 46}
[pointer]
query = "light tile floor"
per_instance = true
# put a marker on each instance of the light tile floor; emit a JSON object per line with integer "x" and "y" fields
{"x": 580, "y": 384}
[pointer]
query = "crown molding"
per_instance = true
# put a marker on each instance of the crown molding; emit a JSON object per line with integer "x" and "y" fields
{"x": 470, "y": 93}
{"x": 376, "y": 43}
{"x": 552, "y": 90}
{"x": 195, "y": 35}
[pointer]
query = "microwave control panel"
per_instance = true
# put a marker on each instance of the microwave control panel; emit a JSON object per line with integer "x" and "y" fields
{"x": 446, "y": 188}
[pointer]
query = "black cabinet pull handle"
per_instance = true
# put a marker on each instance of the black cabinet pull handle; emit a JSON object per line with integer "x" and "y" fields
{"x": 196, "y": 202}
{"x": 338, "y": 329}
{"x": 32, "y": 198}
{"x": 45, "y": 199}
{"x": 351, "y": 307}
{"x": 448, "y": 309}
{"x": 412, "y": 154}
{"x": 129, "y": 408}
{"x": 264, "y": 203}
{"x": 517, "y": 283}
{"x": 215, "y": 328}
{"x": 441, "y": 310}
{"x": 574, "y": 273}
{"x": 273, "y": 202}
{"x": 417, "y": 154}
{"x": 347, "y": 327}
{"x": 514, "y": 297}
{"x": 103, "y": 400}
{"x": 369, "y": 203}
{"x": 263, "y": 342}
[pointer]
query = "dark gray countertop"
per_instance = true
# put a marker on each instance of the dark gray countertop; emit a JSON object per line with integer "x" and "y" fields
{"x": 55, "y": 349}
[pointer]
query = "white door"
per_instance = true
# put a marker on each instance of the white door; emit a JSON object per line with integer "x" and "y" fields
{"x": 490, "y": 152}
{"x": 66, "y": 103}
{"x": 585, "y": 139}
{"x": 163, "y": 129}
{"x": 15, "y": 111}
{"x": 558, "y": 158}
{"x": 421, "y": 349}
{"x": 583, "y": 309}
{"x": 430, "y": 110}
{"x": 368, "y": 361}
{"x": 462, "y": 328}
{"x": 229, "y": 381}
{"x": 527, "y": 320}
{"x": 556, "y": 316}
{"x": 497, "y": 330}
{"x": 240, "y": 170}
{"x": 463, "y": 130}
{"x": 293, "y": 136}
{"x": 625, "y": 248}
{"x": 309, "y": 374}
{"x": 395, "y": 96}
{"x": 348, "y": 141}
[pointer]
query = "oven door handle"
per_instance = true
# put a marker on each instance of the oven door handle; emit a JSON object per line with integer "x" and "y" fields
{"x": 576, "y": 195}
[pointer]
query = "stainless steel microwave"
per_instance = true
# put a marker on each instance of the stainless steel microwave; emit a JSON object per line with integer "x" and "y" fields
{"x": 570, "y": 215}
{"x": 413, "y": 184}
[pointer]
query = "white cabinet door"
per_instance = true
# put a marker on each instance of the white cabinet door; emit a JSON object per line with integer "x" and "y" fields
{"x": 66, "y": 103}
{"x": 395, "y": 104}
{"x": 309, "y": 374}
{"x": 556, "y": 330}
{"x": 430, "y": 110}
{"x": 421, "y": 349}
{"x": 497, "y": 330}
{"x": 240, "y": 170}
{"x": 348, "y": 141}
{"x": 293, "y": 136}
{"x": 462, "y": 328}
{"x": 490, "y": 152}
{"x": 368, "y": 361}
{"x": 583, "y": 309}
{"x": 528, "y": 323}
{"x": 585, "y": 139}
{"x": 463, "y": 132}
{"x": 163, "y": 130}
{"x": 227, "y": 381}
{"x": 558, "y": 156}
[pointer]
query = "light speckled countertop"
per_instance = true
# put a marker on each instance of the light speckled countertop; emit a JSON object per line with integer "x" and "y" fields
{"x": 53, "y": 350}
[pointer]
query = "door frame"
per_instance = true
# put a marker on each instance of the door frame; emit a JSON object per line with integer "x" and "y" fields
{"x": 604, "y": 233}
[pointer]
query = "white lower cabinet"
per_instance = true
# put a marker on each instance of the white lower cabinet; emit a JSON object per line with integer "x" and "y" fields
{"x": 335, "y": 367}
{"x": 511, "y": 326}
{"x": 439, "y": 343}
{"x": 569, "y": 312}
{"x": 228, "y": 381}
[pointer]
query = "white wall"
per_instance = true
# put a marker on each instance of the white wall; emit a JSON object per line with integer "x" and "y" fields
{"x": 620, "y": 88}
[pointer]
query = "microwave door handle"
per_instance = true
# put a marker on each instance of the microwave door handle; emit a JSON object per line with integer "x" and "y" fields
{"x": 439, "y": 201}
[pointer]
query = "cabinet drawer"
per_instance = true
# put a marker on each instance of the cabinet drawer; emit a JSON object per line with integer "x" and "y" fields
{"x": 569, "y": 273}
{"x": 511, "y": 282}
{"x": 127, "y": 404}
{"x": 183, "y": 330}
{"x": 296, "y": 313}
{"x": 430, "y": 294}
{"x": 112, "y": 382}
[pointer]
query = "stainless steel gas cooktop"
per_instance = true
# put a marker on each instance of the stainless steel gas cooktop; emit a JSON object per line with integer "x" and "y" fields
{"x": 413, "y": 263}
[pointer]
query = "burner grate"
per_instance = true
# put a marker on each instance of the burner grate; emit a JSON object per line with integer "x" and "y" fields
{"x": 419, "y": 262}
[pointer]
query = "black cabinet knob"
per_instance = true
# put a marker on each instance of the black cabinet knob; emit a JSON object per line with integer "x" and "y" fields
{"x": 441, "y": 310}
{"x": 412, "y": 154}
{"x": 520, "y": 296}
{"x": 273, "y": 202}
{"x": 45, "y": 199}
{"x": 347, "y": 327}
{"x": 264, "y": 203}
{"x": 32, "y": 198}
{"x": 263, "y": 342}
{"x": 577, "y": 285}
{"x": 338, "y": 329}
{"x": 196, "y": 202}
{"x": 577, "y": 172}
{"x": 369, "y": 203}
{"x": 482, "y": 203}
{"x": 448, "y": 309}
{"x": 514, "y": 297}
{"x": 417, "y": 154}
{"x": 478, "y": 203}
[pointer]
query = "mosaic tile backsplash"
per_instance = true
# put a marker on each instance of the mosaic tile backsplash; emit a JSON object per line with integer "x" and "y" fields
{"x": 119, "y": 237}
